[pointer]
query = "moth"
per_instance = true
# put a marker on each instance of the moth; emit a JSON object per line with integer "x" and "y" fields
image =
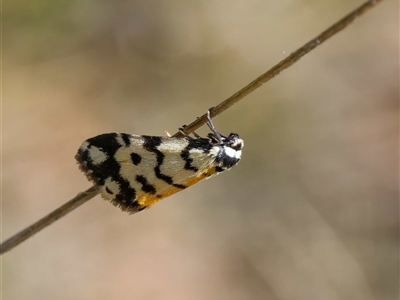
{"x": 135, "y": 172}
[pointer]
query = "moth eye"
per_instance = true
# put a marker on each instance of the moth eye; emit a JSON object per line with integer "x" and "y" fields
{"x": 237, "y": 144}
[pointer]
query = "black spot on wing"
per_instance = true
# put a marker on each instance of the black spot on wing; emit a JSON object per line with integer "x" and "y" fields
{"x": 136, "y": 158}
{"x": 126, "y": 138}
{"x": 146, "y": 186}
{"x": 150, "y": 144}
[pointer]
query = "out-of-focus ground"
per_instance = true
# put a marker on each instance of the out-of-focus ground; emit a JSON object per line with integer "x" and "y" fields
{"x": 311, "y": 212}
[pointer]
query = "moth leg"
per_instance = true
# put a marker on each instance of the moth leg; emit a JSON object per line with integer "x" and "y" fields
{"x": 196, "y": 135}
{"x": 181, "y": 130}
{"x": 212, "y": 127}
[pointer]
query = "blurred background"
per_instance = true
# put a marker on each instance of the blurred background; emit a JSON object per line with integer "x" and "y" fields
{"x": 311, "y": 212}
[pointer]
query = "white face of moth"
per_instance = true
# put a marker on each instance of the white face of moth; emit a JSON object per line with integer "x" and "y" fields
{"x": 232, "y": 152}
{"x": 233, "y": 148}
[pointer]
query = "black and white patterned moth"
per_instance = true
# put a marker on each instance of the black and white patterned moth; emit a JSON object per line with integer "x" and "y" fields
{"x": 136, "y": 171}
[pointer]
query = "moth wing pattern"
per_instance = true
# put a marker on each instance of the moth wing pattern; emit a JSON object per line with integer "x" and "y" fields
{"x": 163, "y": 171}
{"x": 134, "y": 172}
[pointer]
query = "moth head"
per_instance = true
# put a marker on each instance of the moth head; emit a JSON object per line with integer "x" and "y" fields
{"x": 233, "y": 141}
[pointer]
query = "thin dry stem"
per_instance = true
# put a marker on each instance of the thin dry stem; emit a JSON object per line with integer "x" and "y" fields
{"x": 60, "y": 212}
{"x": 284, "y": 64}
{"x": 274, "y": 71}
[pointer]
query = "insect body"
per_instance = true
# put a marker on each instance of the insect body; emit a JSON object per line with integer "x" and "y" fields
{"x": 136, "y": 171}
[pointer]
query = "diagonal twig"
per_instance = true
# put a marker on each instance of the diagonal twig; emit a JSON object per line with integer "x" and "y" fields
{"x": 60, "y": 212}
{"x": 284, "y": 64}
{"x": 255, "y": 84}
